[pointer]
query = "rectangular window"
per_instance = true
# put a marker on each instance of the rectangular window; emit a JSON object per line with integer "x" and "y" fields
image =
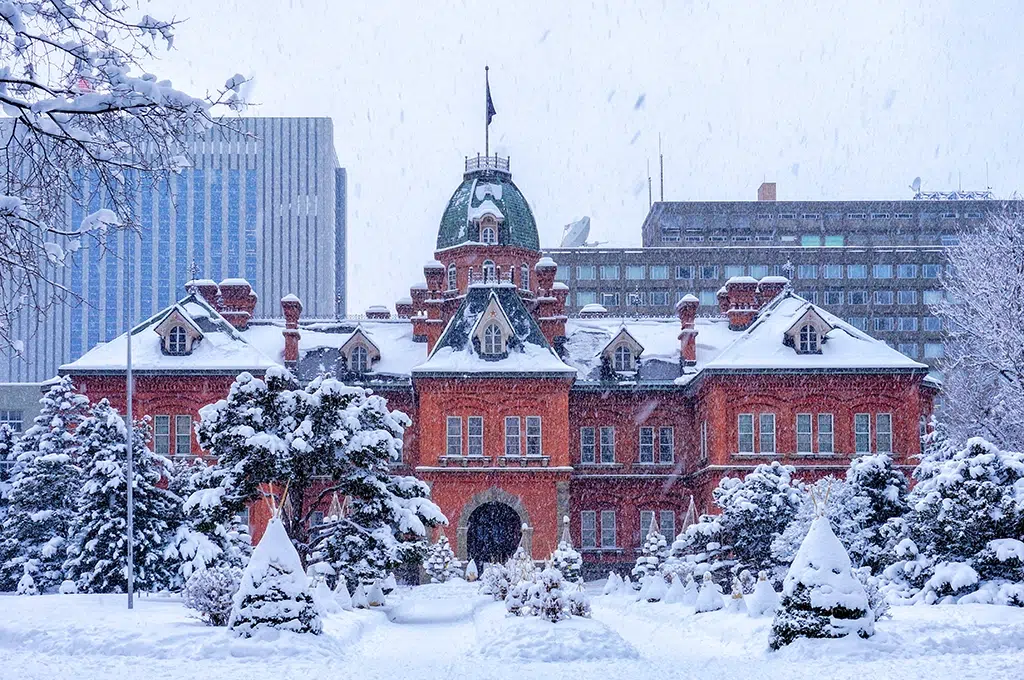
{"x": 833, "y": 298}
{"x": 832, "y": 271}
{"x": 856, "y": 271}
{"x": 670, "y": 236}
{"x": 636, "y": 298}
{"x": 882, "y": 271}
{"x": 934, "y": 350}
{"x": 803, "y": 433}
{"x": 708, "y": 298}
{"x": 659, "y": 297}
{"x": 182, "y": 435}
{"x": 684, "y": 272}
{"x": 647, "y": 445}
{"x": 857, "y": 297}
{"x": 909, "y": 349}
{"x": 732, "y": 270}
{"x": 709, "y": 272}
{"x": 932, "y": 324}
{"x": 859, "y": 322}
{"x": 607, "y": 528}
{"x": 610, "y": 299}
{"x": 906, "y": 271}
{"x": 646, "y": 517}
{"x": 883, "y": 297}
{"x": 759, "y": 271}
{"x": 659, "y": 272}
{"x": 587, "y": 445}
{"x": 666, "y": 445}
{"x": 513, "y": 447}
{"x": 862, "y": 432}
{"x": 883, "y": 433}
{"x": 562, "y": 273}
{"x": 932, "y": 297}
{"x": 908, "y": 323}
{"x": 884, "y": 323}
{"x": 586, "y": 272}
{"x": 907, "y": 297}
{"x": 835, "y": 241}
{"x": 826, "y": 438}
{"x": 588, "y": 529}
{"x": 668, "y": 524}
{"x": 533, "y": 436}
{"x": 807, "y": 271}
{"x": 810, "y": 240}
{"x": 13, "y": 419}
{"x": 585, "y": 297}
{"x": 476, "y": 435}
{"x": 607, "y": 445}
{"x": 162, "y": 435}
{"x": 950, "y": 239}
{"x": 609, "y": 272}
{"x": 454, "y": 447}
{"x": 635, "y": 272}
{"x": 766, "y": 440}
{"x": 931, "y": 271}
{"x": 810, "y": 295}
{"x": 745, "y": 427}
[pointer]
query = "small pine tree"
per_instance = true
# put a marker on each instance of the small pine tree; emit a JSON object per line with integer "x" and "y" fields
{"x": 441, "y": 564}
{"x": 274, "y": 591}
{"x": 8, "y": 438}
{"x": 652, "y": 554}
{"x": 98, "y": 557}
{"x": 495, "y": 581}
{"x": 520, "y": 566}
{"x": 27, "y": 585}
{"x": 547, "y": 597}
{"x": 821, "y": 596}
{"x": 566, "y": 559}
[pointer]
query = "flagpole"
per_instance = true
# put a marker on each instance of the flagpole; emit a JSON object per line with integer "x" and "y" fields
{"x": 487, "y": 111}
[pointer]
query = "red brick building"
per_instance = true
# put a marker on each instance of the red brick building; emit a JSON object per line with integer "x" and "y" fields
{"x": 521, "y": 415}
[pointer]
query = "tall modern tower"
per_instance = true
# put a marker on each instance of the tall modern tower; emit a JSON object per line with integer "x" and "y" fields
{"x": 265, "y": 201}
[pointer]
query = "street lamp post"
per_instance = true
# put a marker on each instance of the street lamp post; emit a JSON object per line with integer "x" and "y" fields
{"x": 130, "y": 473}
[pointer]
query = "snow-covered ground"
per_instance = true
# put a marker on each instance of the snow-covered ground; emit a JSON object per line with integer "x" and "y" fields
{"x": 448, "y": 631}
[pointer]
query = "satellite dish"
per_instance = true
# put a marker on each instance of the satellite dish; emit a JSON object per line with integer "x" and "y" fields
{"x": 916, "y": 185}
{"x": 575, "y": 233}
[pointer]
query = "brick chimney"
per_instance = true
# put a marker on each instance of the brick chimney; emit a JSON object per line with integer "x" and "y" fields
{"x": 237, "y": 302}
{"x": 723, "y": 300}
{"x": 434, "y": 303}
{"x": 403, "y": 308}
{"x": 741, "y": 292}
{"x": 766, "y": 192}
{"x": 686, "y": 310}
{"x": 207, "y": 288}
{"x": 291, "y": 307}
{"x": 549, "y": 307}
{"x": 769, "y": 288}
{"x": 378, "y": 312}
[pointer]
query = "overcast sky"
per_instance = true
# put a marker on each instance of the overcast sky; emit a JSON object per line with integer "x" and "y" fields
{"x": 848, "y": 103}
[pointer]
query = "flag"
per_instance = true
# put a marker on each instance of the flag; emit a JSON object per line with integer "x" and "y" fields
{"x": 490, "y": 104}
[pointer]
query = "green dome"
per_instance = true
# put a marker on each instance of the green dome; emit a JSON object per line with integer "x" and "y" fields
{"x": 482, "y": 191}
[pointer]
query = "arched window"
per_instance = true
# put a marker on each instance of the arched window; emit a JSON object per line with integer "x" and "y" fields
{"x": 524, "y": 277}
{"x": 492, "y": 339}
{"x": 359, "y": 360}
{"x": 451, "y": 277}
{"x": 489, "y": 236}
{"x": 177, "y": 341}
{"x": 622, "y": 359}
{"x": 808, "y": 339}
{"x": 489, "y": 275}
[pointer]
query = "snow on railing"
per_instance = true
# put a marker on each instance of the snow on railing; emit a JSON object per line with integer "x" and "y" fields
{"x": 494, "y": 162}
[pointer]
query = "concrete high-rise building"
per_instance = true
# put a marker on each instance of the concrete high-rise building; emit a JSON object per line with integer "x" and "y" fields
{"x": 264, "y": 201}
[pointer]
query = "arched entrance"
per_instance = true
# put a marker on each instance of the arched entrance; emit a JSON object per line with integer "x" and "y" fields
{"x": 494, "y": 532}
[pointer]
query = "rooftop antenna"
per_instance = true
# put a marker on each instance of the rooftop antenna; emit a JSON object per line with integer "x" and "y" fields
{"x": 650, "y": 196}
{"x": 661, "y": 164}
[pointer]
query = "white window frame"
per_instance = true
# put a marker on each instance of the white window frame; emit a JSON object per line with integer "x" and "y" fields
{"x": 513, "y": 437}
{"x": 622, "y": 358}
{"x": 804, "y": 433}
{"x": 588, "y": 446}
{"x": 766, "y": 433}
{"x": 489, "y": 235}
{"x": 826, "y": 433}
{"x": 13, "y": 418}
{"x": 490, "y": 271}
{"x": 588, "y": 529}
{"x": 883, "y": 433}
{"x": 646, "y": 517}
{"x": 359, "y": 359}
{"x": 452, "y": 277}
{"x": 608, "y": 530}
{"x": 607, "y": 445}
{"x": 862, "y": 432}
{"x": 741, "y": 442}
{"x": 524, "y": 276}
{"x": 666, "y": 443}
{"x": 808, "y": 339}
{"x": 493, "y": 341}
{"x": 453, "y": 436}
{"x": 534, "y": 429}
{"x": 177, "y": 341}
{"x": 704, "y": 440}
{"x": 183, "y": 435}
{"x": 475, "y": 440}
{"x": 667, "y": 523}
{"x": 162, "y": 440}
{"x": 646, "y": 454}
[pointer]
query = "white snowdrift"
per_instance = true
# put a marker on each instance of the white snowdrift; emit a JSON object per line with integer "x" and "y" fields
{"x": 532, "y": 638}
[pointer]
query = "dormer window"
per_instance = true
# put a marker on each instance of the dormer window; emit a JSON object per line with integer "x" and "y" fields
{"x": 451, "y": 277}
{"x": 493, "y": 340}
{"x": 359, "y": 353}
{"x": 489, "y": 272}
{"x": 177, "y": 341}
{"x": 622, "y": 358}
{"x": 359, "y": 361}
{"x": 808, "y": 339}
{"x": 488, "y": 236}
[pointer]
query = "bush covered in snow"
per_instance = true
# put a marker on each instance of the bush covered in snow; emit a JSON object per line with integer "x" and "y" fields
{"x": 566, "y": 559}
{"x": 210, "y": 592}
{"x": 548, "y": 596}
{"x": 441, "y": 564}
{"x": 652, "y": 553}
{"x": 821, "y": 596}
{"x": 764, "y": 600}
{"x": 26, "y": 584}
{"x": 709, "y": 597}
{"x": 520, "y": 566}
{"x": 495, "y": 581}
{"x": 963, "y": 529}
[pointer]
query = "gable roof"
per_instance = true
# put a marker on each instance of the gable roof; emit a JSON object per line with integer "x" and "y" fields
{"x": 223, "y": 348}
{"x": 528, "y": 350}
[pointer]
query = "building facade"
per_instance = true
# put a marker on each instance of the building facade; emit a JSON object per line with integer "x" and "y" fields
{"x": 876, "y": 264}
{"x": 524, "y": 415}
{"x": 264, "y": 201}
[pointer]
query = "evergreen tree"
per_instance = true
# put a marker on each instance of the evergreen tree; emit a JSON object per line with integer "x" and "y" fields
{"x": 547, "y": 597}
{"x": 879, "y": 493}
{"x": 566, "y": 559}
{"x": 8, "y": 438}
{"x": 441, "y": 564}
{"x": 652, "y": 554}
{"x": 821, "y": 596}
{"x": 43, "y": 490}
{"x": 98, "y": 554}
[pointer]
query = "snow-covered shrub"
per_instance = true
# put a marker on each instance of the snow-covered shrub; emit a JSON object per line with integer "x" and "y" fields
{"x": 877, "y": 601}
{"x": 764, "y": 600}
{"x": 274, "y": 592}
{"x": 821, "y": 596}
{"x": 342, "y": 596}
{"x": 652, "y": 553}
{"x": 709, "y": 598}
{"x": 579, "y": 603}
{"x": 68, "y": 587}
{"x": 520, "y": 566}
{"x": 676, "y": 592}
{"x": 389, "y": 583}
{"x": 735, "y": 603}
{"x": 566, "y": 559}
{"x": 965, "y": 520}
{"x": 359, "y": 598}
{"x": 375, "y": 595}
{"x": 547, "y": 597}
{"x": 495, "y": 581}
{"x": 210, "y": 592}
{"x": 472, "y": 573}
{"x": 613, "y": 584}
{"x": 26, "y": 584}
{"x": 441, "y": 564}
{"x": 515, "y": 600}
{"x": 653, "y": 588}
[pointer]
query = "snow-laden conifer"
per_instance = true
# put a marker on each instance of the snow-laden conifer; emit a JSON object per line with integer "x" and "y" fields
{"x": 441, "y": 564}
{"x": 652, "y": 553}
{"x": 26, "y": 584}
{"x": 566, "y": 559}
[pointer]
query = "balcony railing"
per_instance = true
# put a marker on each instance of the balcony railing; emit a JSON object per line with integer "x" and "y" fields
{"x": 494, "y": 162}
